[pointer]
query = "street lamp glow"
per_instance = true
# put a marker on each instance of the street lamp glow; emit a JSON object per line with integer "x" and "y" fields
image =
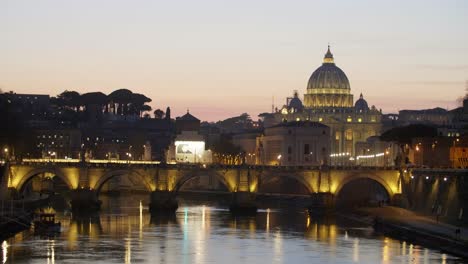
{"x": 5, "y": 150}
{"x": 279, "y": 156}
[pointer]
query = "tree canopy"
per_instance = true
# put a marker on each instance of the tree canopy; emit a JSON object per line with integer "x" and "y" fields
{"x": 406, "y": 133}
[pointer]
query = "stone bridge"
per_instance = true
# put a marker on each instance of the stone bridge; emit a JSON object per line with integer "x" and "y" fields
{"x": 85, "y": 180}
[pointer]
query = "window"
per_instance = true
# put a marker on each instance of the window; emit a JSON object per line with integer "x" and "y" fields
{"x": 337, "y": 135}
{"x": 320, "y": 119}
{"x": 359, "y": 120}
{"x": 349, "y": 134}
{"x": 306, "y": 149}
{"x": 349, "y": 119}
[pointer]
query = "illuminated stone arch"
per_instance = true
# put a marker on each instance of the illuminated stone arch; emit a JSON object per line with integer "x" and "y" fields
{"x": 375, "y": 178}
{"x": 35, "y": 172}
{"x": 274, "y": 175}
{"x": 191, "y": 175}
{"x": 115, "y": 173}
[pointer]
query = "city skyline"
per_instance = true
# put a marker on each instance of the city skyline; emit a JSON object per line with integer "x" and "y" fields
{"x": 222, "y": 59}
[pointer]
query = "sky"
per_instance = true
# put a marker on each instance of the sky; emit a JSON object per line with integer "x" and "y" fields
{"x": 222, "y": 58}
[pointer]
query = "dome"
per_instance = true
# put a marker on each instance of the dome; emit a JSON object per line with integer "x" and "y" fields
{"x": 361, "y": 104}
{"x": 328, "y": 76}
{"x": 295, "y": 103}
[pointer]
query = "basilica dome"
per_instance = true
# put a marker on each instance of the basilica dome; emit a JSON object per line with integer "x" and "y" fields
{"x": 328, "y": 87}
{"x": 361, "y": 104}
{"x": 328, "y": 76}
{"x": 295, "y": 103}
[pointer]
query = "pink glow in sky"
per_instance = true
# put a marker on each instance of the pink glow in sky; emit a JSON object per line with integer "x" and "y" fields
{"x": 223, "y": 58}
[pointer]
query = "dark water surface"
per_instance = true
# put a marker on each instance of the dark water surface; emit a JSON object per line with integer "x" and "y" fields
{"x": 124, "y": 232}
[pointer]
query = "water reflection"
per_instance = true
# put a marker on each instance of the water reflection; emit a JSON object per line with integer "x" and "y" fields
{"x": 4, "y": 251}
{"x": 50, "y": 251}
{"x": 203, "y": 234}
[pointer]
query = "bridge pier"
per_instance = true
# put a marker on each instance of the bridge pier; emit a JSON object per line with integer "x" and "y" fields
{"x": 400, "y": 200}
{"x": 84, "y": 201}
{"x": 243, "y": 203}
{"x": 321, "y": 203}
{"x": 163, "y": 202}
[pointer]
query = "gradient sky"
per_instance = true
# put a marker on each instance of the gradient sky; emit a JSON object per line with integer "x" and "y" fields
{"x": 222, "y": 58}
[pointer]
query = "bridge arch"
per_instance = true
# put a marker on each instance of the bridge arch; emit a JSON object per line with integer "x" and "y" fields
{"x": 265, "y": 178}
{"x": 188, "y": 176}
{"x": 35, "y": 172}
{"x": 369, "y": 179}
{"x": 115, "y": 173}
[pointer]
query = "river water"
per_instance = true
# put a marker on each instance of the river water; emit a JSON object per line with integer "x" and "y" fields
{"x": 203, "y": 232}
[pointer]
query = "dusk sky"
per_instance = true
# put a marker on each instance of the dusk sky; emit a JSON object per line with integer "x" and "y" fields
{"x": 222, "y": 58}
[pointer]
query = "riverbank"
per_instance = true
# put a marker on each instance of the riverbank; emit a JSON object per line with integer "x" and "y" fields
{"x": 407, "y": 225}
{"x": 14, "y": 222}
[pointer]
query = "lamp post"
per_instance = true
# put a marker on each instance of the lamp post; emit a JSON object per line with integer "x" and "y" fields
{"x": 386, "y": 157}
{"x": 5, "y": 151}
{"x": 279, "y": 160}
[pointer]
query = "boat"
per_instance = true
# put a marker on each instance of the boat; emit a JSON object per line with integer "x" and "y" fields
{"x": 45, "y": 223}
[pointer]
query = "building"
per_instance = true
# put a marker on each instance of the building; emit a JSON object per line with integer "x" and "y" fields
{"x": 431, "y": 152}
{"x": 373, "y": 152}
{"x": 329, "y": 100}
{"x": 189, "y": 145}
{"x": 294, "y": 143}
{"x": 435, "y": 116}
{"x": 248, "y": 143}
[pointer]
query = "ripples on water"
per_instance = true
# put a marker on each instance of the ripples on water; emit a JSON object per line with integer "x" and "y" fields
{"x": 125, "y": 232}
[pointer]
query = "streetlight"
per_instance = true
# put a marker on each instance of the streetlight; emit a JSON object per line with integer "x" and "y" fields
{"x": 279, "y": 159}
{"x": 5, "y": 150}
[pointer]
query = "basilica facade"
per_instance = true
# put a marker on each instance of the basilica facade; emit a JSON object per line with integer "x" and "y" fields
{"x": 328, "y": 100}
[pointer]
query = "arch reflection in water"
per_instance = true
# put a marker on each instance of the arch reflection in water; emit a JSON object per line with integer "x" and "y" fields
{"x": 50, "y": 251}
{"x": 4, "y": 251}
{"x": 204, "y": 234}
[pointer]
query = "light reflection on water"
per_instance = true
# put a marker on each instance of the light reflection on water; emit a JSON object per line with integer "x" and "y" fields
{"x": 207, "y": 234}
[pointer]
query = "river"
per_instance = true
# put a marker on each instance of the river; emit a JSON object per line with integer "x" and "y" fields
{"x": 204, "y": 232}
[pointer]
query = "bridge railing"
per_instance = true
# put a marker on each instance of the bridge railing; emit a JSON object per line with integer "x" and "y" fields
{"x": 182, "y": 166}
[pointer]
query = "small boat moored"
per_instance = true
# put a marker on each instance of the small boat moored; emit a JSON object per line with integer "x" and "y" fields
{"x": 45, "y": 223}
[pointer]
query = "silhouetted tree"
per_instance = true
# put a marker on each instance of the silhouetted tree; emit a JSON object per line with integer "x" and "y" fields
{"x": 119, "y": 100}
{"x": 168, "y": 113}
{"x": 407, "y": 133}
{"x": 69, "y": 99}
{"x": 158, "y": 114}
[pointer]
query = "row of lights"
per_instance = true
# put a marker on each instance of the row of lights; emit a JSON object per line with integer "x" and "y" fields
{"x": 343, "y": 154}
{"x": 370, "y": 156}
{"x": 427, "y": 177}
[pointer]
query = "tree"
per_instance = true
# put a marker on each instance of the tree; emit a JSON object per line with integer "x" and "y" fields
{"x": 145, "y": 108}
{"x": 119, "y": 100}
{"x": 158, "y": 114}
{"x": 69, "y": 99}
{"x": 227, "y": 153}
{"x": 93, "y": 103}
{"x": 137, "y": 103}
{"x": 405, "y": 134}
{"x": 240, "y": 122}
{"x": 168, "y": 113}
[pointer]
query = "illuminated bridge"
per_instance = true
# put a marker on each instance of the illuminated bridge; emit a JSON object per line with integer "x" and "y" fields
{"x": 86, "y": 179}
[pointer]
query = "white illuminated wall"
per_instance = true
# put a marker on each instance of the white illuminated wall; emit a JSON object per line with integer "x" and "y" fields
{"x": 191, "y": 152}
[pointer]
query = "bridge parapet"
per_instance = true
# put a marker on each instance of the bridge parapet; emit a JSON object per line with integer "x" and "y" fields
{"x": 440, "y": 172}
